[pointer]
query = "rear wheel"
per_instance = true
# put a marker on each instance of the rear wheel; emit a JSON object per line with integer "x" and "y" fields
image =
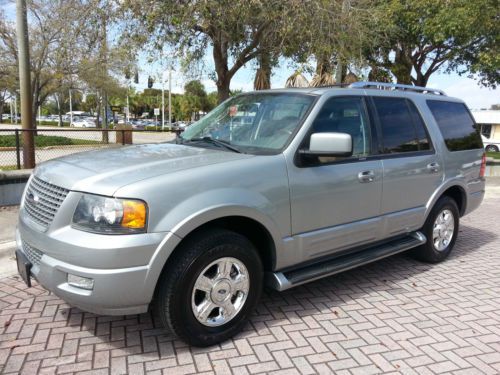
{"x": 492, "y": 148}
{"x": 441, "y": 230}
{"x": 210, "y": 287}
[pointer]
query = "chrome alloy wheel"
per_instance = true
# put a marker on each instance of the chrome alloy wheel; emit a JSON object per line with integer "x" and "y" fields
{"x": 220, "y": 291}
{"x": 443, "y": 230}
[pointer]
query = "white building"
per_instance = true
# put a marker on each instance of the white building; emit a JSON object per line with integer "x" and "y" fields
{"x": 489, "y": 120}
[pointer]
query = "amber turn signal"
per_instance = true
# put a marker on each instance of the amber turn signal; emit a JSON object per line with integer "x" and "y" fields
{"x": 134, "y": 214}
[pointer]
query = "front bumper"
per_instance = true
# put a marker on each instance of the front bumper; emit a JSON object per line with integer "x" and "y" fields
{"x": 124, "y": 268}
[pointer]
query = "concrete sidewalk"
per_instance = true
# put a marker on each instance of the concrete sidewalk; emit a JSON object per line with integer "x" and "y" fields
{"x": 8, "y": 221}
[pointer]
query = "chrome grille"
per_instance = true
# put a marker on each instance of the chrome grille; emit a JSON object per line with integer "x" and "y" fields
{"x": 42, "y": 200}
{"x": 33, "y": 255}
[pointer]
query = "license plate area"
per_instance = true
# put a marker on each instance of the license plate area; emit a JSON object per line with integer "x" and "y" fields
{"x": 24, "y": 267}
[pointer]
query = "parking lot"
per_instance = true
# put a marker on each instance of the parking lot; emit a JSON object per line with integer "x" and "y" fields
{"x": 396, "y": 315}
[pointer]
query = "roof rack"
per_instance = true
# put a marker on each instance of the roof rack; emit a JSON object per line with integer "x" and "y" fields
{"x": 395, "y": 86}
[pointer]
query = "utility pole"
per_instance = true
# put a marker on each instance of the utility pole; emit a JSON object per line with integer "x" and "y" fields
{"x": 162, "y": 100}
{"x": 128, "y": 108}
{"x": 15, "y": 107}
{"x": 70, "y": 109}
{"x": 25, "y": 83}
{"x": 170, "y": 98}
{"x": 340, "y": 68}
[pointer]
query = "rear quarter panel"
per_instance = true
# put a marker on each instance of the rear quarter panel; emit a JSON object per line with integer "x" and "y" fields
{"x": 461, "y": 168}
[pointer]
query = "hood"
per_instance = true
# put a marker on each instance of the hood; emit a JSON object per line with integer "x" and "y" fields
{"x": 105, "y": 171}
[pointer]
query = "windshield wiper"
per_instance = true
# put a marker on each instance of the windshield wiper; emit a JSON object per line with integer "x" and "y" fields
{"x": 214, "y": 141}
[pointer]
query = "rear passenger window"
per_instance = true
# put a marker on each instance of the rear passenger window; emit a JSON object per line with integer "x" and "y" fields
{"x": 456, "y": 125}
{"x": 398, "y": 132}
{"x": 422, "y": 137}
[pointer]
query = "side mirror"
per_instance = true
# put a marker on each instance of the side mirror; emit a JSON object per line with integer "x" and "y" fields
{"x": 329, "y": 144}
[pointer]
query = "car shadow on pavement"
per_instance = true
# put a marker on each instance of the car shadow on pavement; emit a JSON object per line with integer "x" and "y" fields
{"x": 333, "y": 300}
{"x": 394, "y": 276}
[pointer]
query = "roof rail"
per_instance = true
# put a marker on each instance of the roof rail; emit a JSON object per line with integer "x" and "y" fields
{"x": 395, "y": 86}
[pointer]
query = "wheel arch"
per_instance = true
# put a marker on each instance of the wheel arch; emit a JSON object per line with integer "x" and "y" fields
{"x": 453, "y": 189}
{"x": 254, "y": 225}
{"x": 457, "y": 193}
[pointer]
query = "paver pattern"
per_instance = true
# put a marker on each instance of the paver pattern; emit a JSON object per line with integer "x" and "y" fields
{"x": 396, "y": 315}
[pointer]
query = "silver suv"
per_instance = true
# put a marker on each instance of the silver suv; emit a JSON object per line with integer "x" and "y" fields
{"x": 276, "y": 187}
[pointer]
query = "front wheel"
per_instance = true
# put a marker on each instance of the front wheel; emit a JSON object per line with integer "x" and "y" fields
{"x": 492, "y": 148}
{"x": 441, "y": 230}
{"x": 210, "y": 287}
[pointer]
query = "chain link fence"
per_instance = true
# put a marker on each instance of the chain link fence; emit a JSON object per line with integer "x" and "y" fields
{"x": 53, "y": 143}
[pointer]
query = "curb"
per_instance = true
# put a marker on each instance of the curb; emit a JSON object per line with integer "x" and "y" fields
{"x": 7, "y": 248}
{"x": 8, "y": 265}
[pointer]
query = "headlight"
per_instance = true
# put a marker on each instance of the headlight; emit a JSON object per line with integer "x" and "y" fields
{"x": 106, "y": 215}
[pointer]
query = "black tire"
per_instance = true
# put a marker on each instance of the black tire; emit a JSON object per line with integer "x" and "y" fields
{"x": 492, "y": 148}
{"x": 428, "y": 252}
{"x": 175, "y": 288}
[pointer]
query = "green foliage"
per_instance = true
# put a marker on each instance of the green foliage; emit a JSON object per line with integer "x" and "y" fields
{"x": 427, "y": 35}
{"x": 45, "y": 141}
{"x": 494, "y": 155}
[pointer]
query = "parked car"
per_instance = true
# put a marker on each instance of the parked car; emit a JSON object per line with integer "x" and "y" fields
{"x": 137, "y": 124}
{"x": 323, "y": 180}
{"x": 83, "y": 123}
{"x": 179, "y": 126}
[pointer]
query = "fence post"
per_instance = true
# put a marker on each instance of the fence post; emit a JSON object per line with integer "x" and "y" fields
{"x": 123, "y": 137}
{"x": 18, "y": 150}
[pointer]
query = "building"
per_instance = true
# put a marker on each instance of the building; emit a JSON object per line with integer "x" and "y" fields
{"x": 489, "y": 121}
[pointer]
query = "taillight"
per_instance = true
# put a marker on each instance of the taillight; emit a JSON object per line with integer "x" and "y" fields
{"x": 483, "y": 166}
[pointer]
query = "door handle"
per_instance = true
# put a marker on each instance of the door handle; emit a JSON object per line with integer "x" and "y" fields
{"x": 433, "y": 167}
{"x": 366, "y": 176}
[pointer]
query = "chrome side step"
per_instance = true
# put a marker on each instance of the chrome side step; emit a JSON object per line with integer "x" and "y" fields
{"x": 289, "y": 279}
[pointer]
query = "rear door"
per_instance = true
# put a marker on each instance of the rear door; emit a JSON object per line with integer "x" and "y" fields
{"x": 412, "y": 170}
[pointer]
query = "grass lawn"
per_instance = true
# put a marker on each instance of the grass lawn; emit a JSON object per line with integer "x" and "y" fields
{"x": 46, "y": 140}
{"x": 495, "y": 155}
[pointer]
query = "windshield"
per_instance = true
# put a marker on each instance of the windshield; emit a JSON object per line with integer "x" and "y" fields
{"x": 253, "y": 123}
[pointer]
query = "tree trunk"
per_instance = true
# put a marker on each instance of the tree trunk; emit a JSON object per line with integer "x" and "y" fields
{"x": 402, "y": 66}
{"x": 421, "y": 79}
{"x": 221, "y": 67}
{"x": 324, "y": 69}
{"x": 262, "y": 79}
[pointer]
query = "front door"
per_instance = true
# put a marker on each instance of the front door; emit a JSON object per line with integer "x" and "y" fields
{"x": 335, "y": 202}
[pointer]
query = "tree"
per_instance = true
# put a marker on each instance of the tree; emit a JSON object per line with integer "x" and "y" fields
{"x": 333, "y": 34}
{"x": 233, "y": 29}
{"x": 425, "y": 36}
{"x": 55, "y": 29}
{"x": 8, "y": 77}
{"x": 196, "y": 89}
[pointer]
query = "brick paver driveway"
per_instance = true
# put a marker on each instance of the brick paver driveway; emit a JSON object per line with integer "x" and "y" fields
{"x": 396, "y": 315}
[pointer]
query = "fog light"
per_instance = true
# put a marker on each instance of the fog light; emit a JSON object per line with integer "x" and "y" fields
{"x": 80, "y": 282}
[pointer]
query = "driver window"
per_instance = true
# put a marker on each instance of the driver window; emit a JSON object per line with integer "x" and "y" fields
{"x": 345, "y": 115}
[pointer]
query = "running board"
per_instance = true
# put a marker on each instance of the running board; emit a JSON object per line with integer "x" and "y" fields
{"x": 289, "y": 279}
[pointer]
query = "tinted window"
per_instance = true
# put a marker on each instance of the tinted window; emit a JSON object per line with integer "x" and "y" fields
{"x": 398, "y": 132}
{"x": 422, "y": 137}
{"x": 486, "y": 130}
{"x": 346, "y": 115}
{"x": 259, "y": 123}
{"x": 456, "y": 125}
